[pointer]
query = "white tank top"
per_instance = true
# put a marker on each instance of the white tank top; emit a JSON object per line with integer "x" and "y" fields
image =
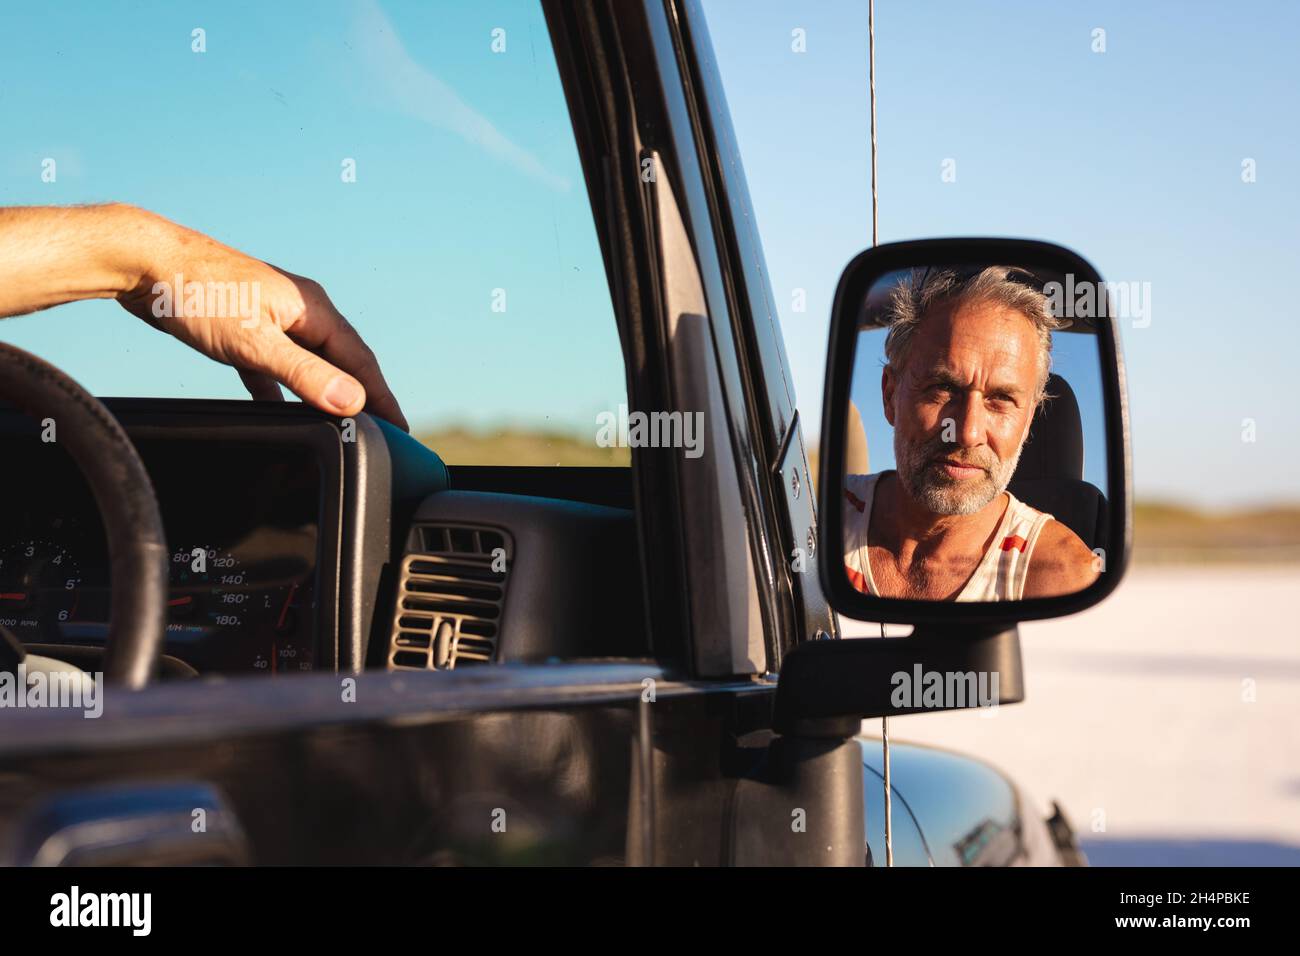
{"x": 1001, "y": 573}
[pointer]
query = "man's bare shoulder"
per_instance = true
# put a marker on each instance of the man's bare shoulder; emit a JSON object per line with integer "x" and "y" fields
{"x": 1061, "y": 563}
{"x": 858, "y": 488}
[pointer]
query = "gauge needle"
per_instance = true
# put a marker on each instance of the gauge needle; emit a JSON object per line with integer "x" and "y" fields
{"x": 13, "y": 596}
{"x": 284, "y": 611}
{"x": 178, "y": 602}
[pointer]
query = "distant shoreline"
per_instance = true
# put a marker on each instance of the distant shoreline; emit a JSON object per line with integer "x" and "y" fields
{"x": 1175, "y": 534}
{"x": 1146, "y": 555}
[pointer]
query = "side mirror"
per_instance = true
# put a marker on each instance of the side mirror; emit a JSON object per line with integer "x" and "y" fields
{"x": 982, "y": 379}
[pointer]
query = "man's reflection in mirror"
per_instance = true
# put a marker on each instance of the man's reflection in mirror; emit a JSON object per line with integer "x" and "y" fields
{"x": 968, "y": 356}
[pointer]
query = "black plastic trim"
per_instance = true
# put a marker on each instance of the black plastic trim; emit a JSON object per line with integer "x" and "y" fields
{"x": 609, "y": 485}
{"x": 574, "y": 587}
{"x": 365, "y": 538}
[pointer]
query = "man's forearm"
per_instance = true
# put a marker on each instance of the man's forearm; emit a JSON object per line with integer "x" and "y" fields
{"x": 50, "y": 255}
{"x": 294, "y": 335}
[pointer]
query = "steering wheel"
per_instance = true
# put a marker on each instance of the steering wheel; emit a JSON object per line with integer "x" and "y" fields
{"x": 137, "y": 548}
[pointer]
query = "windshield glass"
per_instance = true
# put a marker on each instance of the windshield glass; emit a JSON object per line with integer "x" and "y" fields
{"x": 415, "y": 159}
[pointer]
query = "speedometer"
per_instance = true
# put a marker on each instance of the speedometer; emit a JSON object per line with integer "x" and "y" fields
{"x": 208, "y": 588}
{"x": 226, "y": 613}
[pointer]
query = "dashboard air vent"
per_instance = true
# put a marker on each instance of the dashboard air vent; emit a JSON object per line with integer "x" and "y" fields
{"x": 450, "y": 596}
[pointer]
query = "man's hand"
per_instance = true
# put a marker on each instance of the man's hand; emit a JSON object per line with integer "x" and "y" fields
{"x": 271, "y": 325}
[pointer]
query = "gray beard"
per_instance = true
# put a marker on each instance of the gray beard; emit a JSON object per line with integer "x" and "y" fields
{"x": 927, "y": 483}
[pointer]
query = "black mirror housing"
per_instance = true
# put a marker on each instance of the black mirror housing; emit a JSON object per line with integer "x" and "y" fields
{"x": 855, "y": 284}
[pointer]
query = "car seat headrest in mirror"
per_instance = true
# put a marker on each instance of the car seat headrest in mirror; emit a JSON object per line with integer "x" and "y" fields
{"x": 1050, "y": 474}
{"x": 1054, "y": 448}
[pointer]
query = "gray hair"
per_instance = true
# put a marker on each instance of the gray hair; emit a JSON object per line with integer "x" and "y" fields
{"x": 1007, "y": 286}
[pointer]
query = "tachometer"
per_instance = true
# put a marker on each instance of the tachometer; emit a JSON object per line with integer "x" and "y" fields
{"x": 39, "y": 581}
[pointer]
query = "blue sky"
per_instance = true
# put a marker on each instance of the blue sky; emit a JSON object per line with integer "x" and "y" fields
{"x": 1132, "y": 157}
{"x": 467, "y": 181}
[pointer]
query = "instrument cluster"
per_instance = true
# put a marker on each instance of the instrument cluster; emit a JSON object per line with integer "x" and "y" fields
{"x": 242, "y": 523}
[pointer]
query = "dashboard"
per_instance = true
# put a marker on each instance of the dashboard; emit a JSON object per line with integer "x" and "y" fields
{"x": 298, "y": 542}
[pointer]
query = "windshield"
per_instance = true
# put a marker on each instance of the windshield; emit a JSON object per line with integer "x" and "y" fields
{"x": 416, "y": 159}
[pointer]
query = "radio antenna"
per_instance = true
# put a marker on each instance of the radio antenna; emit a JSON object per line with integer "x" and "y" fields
{"x": 875, "y": 241}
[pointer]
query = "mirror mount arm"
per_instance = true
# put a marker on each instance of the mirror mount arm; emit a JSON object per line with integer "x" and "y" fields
{"x": 827, "y": 688}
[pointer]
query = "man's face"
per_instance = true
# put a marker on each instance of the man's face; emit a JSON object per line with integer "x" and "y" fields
{"x": 961, "y": 405}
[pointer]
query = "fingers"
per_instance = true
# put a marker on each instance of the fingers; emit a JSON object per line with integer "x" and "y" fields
{"x": 261, "y": 387}
{"x": 308, "y": 376}
{"x": 324, "y": 330}
{"x": 344, "y": 347}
